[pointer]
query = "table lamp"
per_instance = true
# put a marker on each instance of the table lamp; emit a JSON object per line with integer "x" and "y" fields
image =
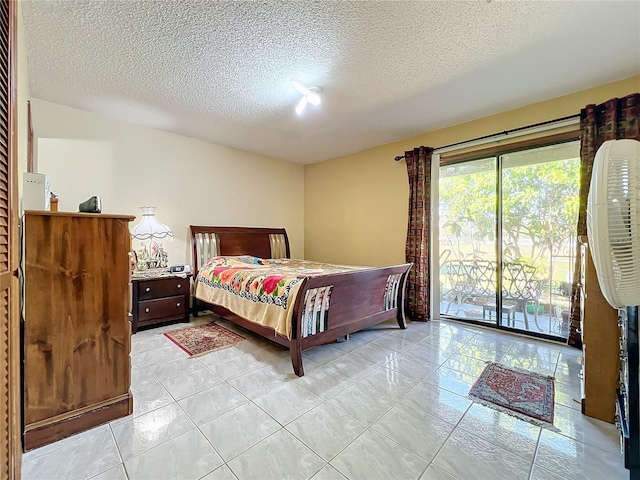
{"x": 146, "y": 238}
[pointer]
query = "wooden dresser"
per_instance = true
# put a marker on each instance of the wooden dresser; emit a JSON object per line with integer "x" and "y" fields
{"x": 76, "y": 372}
{"x": 600, "y": 340}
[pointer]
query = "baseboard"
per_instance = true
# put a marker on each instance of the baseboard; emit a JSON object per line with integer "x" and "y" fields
{"x": 62, "y": 426}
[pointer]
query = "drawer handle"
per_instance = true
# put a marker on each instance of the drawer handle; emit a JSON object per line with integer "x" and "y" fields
{"x": 146, "y": 310}
{"x": 148, "y": 289}
{"x": 178, "y": 304}
{"x": 179, "y": 285}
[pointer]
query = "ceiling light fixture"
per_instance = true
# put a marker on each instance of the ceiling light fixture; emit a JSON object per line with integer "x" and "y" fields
{"x": 310, "y": 95}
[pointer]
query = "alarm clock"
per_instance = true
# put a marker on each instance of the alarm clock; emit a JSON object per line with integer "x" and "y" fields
{"x": 176, "y": 269}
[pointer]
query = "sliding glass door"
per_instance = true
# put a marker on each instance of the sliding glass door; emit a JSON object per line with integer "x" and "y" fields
{"x": 467, "y": 209}
{"x": 507, "y": 246}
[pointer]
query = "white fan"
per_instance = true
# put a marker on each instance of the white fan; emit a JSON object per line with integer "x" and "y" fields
{"x": 309, "y": 95}
{"x": 613, "y": 221}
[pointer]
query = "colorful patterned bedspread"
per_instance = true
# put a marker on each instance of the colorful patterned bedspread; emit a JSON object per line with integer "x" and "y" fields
{"x": 260, "y": 290}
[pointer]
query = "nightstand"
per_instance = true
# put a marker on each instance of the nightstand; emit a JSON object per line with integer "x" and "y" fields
{"x": 160, "y": 299}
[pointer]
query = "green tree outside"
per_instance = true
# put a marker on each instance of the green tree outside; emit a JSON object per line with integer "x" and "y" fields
{"x": 540, "y": 211}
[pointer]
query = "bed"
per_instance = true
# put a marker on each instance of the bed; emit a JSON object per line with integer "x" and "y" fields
{"x": 323, "y": 302}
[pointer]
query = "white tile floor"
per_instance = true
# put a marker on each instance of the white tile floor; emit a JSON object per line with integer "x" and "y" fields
{"x": 386, "y": 404}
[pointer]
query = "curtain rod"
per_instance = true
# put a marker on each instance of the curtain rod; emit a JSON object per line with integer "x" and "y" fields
{"x": 529, "y": 129}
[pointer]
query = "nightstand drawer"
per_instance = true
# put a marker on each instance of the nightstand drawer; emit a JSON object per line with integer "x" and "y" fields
{"x": 163, "y": 307}
{"x": 160, "y": 299}
{"x": 162, "y": 288}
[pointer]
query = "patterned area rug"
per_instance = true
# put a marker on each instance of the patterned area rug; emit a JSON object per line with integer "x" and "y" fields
{"x": 523, "y": 394}
{"x": 203, "y": 339}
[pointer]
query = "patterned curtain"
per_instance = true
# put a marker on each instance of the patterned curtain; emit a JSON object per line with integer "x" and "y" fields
{"x": 613, "y": 120}
{"x": 417, "y": 248}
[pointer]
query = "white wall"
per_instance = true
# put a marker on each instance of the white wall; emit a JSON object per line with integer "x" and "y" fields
{"x": 189, "y": 181}
{"x": 23, "y": 97}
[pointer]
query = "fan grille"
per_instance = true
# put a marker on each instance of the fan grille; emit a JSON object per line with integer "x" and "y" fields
{"x": 613, "y": 221}
{"x": 622, "y": 206}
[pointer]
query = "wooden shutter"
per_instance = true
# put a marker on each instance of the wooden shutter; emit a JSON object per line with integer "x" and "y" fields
{"x": 10, "y": 398}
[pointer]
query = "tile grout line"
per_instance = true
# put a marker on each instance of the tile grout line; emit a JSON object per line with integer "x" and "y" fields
{"x": 370, "y": 427}
{"x": 195, "y": 425}
{"x": 535, "y": 454}
{"x": 224, "y": 462}
{"x": 446, "y": 440}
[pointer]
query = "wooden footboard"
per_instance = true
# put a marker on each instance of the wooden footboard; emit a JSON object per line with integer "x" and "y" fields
{"x": 331, "y": 306}
{"x": 327, "y": 307}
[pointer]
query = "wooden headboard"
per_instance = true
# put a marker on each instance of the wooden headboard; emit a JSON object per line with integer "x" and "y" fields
{"x": 210, "y": 242}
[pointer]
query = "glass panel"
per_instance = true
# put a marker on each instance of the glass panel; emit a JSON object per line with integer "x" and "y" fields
{"x": 539, "y": 216}
{"x": 467, "y": 208}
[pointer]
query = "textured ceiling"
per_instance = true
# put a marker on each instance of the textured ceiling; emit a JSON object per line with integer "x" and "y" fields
{"x": 221, "y": 70}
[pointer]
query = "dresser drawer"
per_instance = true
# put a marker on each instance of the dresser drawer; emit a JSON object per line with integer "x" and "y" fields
{"x": 163, "y": 288}
{"x": 163, "y": 307}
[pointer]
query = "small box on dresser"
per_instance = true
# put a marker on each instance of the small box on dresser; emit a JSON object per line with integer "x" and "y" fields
{"x": 160, "y": 299}
{"x": 76, "y": 340}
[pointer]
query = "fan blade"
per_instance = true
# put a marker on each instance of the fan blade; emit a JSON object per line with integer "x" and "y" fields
{"x": 313, "y": 97}
{"x": 301, "y": 88}
{"x": 301, "y": 105}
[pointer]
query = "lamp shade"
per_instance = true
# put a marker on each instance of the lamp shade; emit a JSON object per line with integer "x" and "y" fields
{"x": 150, "y": 228}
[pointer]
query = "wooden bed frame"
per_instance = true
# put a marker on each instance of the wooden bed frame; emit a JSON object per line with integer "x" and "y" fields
{"x": 358, "y": 299}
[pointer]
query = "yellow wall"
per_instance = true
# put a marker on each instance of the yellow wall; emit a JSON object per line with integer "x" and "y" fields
{"x": 355, "y": 207}
{"x": 191, "y": 182}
